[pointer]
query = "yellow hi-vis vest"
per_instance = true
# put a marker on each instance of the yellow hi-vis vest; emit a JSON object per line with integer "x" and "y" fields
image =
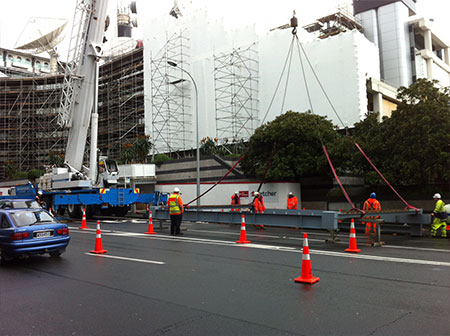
{"x": 174, "y": 206}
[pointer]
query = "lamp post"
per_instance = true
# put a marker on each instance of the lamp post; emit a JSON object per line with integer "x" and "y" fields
{"x": 175, "y": 65}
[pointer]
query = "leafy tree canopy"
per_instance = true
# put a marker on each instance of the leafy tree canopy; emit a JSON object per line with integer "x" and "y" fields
{"x": 412, "y": 147}
{"x": 418, "y": 135}
{"x": 296, "y": 142}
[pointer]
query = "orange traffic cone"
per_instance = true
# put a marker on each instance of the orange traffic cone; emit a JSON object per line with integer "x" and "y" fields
{"x": 150, "y": 224}
{"x": 83, "y": 221}
{"x": 98, "y": 241}
{"x": 352, "y": 247}
{"x": 306, "y": 276}
{"x": 243, "y": 239}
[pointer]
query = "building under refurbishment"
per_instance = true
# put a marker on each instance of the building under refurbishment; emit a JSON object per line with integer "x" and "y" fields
{"x": 29, "y": 133}
{"x": 121, "y": 102}
{"x": 30, "y": 137}
{"x": 232, "y": 81}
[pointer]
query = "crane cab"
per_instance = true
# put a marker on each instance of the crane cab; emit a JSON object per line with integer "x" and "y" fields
{"x": 107, "y": 173}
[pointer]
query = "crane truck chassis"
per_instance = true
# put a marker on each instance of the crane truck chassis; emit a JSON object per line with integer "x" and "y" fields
{"x": 96, "y": 201}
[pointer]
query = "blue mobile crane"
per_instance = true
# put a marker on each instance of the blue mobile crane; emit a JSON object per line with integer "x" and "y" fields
{"x": 75, "y": 186}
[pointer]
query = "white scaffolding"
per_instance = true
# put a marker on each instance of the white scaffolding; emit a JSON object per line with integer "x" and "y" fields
{"x": 172, "y": 116}
{"x": 236, "y": 90}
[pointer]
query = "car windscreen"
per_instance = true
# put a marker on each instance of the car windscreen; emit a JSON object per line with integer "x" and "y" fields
{"x": 25, "y": 218}
{"x": 20, "y": 204}
{"x": 111, "y": 165}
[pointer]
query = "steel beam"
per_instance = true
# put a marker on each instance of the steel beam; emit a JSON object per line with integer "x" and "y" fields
{"x": 412, "y": 220}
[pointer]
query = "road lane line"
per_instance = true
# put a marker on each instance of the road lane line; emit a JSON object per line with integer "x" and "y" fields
{"x": 378, "y": 258}
{"x": 417, "y": 248}
{"x": 282, "y": 249}
{"x": 125, "y": 258}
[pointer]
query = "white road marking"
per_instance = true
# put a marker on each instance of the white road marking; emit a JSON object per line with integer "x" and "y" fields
{"x": 125, "y": 258}
{"x": 417, "y": 248}
{"x": 279, "y": 248}
{"x": 390, "y": 259}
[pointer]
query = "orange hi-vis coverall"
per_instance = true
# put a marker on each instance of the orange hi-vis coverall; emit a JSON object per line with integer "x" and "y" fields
{"x": 235, "y": 200}
{"x": 292, "y": 203}
{"x": 259, "y": 204}
{"x": 371, "y": 204}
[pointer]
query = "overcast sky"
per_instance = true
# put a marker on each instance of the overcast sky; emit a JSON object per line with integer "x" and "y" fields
{"x": 14, "y": 14}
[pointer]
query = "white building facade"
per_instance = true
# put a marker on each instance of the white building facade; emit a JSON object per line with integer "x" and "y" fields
{"x": 240, "y": 81}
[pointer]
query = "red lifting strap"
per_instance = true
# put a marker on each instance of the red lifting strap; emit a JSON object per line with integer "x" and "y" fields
{"x": 339, "y": 181}
{"x": 384, "y": 179}
{"x": 221, "y": 179}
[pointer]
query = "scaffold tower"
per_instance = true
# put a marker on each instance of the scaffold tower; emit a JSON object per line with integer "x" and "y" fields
{"x": 172, "y": 116}
{"x": 236, "y": 90}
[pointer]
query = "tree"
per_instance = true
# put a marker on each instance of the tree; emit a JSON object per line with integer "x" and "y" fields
{"x": 417, "y": 136}
{"x": 127, "y": 154}
{"x": 295, "y": 139}
{"x": 141, "y": 148}
{"x": 371, "y": 135}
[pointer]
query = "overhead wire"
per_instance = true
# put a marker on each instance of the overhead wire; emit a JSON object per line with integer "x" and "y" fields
{"x": 339, "y": 118}
{"x": 288, "y": 61}
{"x": 316, "y": 122}
{"x": 279, "y": 81}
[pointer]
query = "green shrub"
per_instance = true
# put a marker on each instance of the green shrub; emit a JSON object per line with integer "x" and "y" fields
{"x": 160, "y": 159}
{"x": 34, "y": 173}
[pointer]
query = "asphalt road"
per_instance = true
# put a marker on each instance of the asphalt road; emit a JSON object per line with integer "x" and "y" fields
{"x": 203, "y": 283}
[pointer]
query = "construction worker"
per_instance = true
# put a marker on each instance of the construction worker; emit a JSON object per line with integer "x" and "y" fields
{"x": 176, "y": 210}
{"x": 292, "y": 201}
{"x": 235, "y": 200}
{"x": 258, "y": 205}
{"x": 440, "y": 217}
{"x": 372, "y": 204}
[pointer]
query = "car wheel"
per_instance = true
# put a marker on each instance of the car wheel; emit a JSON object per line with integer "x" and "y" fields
{"x": 4, "y": 257}
{"x": 55, "y": 254}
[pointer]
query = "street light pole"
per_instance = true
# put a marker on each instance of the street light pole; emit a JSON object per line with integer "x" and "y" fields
{"x": 175, "y": 65}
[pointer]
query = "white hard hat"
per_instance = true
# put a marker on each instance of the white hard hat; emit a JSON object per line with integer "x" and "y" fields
{"x": 176, "y": 190}
{"x": 290, "y": 193}
{"x": 236, "y": 192}
{"x": 437, "y": 195}
{"x": 256, "y": 193}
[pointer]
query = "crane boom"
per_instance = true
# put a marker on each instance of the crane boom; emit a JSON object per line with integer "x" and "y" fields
{"x": 81, "y": 71}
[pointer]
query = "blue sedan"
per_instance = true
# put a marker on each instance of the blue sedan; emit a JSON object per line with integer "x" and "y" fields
{"x": 24, "y": 232}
